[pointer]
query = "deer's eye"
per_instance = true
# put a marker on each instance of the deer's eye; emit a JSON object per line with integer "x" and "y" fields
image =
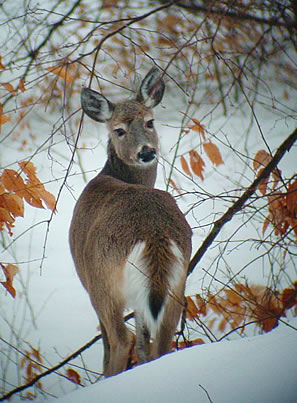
{"x": 119, "y": 132}
{"x": 150, "y": 124}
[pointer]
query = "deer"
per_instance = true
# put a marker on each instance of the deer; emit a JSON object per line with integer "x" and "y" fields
{"x": 130, "y": 242}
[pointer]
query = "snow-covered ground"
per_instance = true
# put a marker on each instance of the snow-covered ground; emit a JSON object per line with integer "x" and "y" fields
{"x": 260, "y": 369}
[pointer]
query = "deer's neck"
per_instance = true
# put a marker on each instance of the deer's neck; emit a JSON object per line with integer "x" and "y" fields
{"x": 116, "y": 168}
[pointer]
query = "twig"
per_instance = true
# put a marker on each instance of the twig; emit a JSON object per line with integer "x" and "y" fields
{"x": 51, "y": 370}
{"x": 58, "y": 366}
{"x": 34, "y": 53}
{"x": 236, "y": 15}
{"x": 207, "y": 394}
{"x": 237, "y": 206}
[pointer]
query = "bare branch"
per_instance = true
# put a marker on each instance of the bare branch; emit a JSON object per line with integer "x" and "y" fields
{"x": 58, "y": 366}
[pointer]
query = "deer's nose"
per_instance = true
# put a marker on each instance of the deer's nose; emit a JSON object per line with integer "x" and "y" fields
{"x": 146, "y": 154}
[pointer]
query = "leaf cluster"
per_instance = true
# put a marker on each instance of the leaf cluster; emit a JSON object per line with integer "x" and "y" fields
{"x": 241, "y": 305}
{"x": 14, "y": 190}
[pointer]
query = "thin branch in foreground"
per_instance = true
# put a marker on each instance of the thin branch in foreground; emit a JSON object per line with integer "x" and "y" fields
{"x": 58, "y": 366}
{"x": 206, "y": 392}
{"x": 51, "y": 370}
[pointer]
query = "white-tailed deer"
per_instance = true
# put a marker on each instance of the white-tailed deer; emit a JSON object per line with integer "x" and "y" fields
{"x": 130, "y": 243}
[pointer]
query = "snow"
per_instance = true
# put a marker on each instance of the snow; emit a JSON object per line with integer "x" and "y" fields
{"x": 255, "y": 369}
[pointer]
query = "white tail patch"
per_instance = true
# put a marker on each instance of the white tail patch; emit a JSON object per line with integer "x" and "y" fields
{"x": 136, "y": 287}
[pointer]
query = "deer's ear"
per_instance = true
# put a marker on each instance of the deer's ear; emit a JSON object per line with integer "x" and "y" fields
{"x": 152, "y": 88}
{"x": 95, "y": 105}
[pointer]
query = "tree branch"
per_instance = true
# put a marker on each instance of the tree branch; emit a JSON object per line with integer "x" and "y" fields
{"x": 34, "y": 53}
{"x": 239, "y": 16}
{"x": 237, "y": 206}
{"x": 58, "y": 366}
{"x": 50, "y": 370}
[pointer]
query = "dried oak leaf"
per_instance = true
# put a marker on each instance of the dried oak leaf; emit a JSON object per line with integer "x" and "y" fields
{"x": 278, "y": 213}
{"x": 22, "y": 85}
{"x": 61, "y": 72}
{"x": 4, "y": 119}
{"x": 233, "y": 297}
{"x": 36, "y": 189}
{"x": 265, "y": 307}
{"x": 213, "y": 153}
{"x": 263, "y": 185}
{"x": 9, "y": 87}
{"x": 173, "y": 184}
{"x": 261, "y": 159}
{"x": 289, "y": 297}
{"x": 1, "y": 65}
{"x": 189, "y": 343}
{"x": 291, "y": 198}
{"x": 185, "y": 166}
{"x": 12, "y": 181}
{"x": 197, "y": 164}
{"x": 197, "y": 127}
{"x": 192, "y": 312}
{"x": 13, "y": 203}
{"x": 73, "y": 376}
{"x": 6, "y": 219}
{"x": 10, "y": 271}
{"x": 201, "y": 304}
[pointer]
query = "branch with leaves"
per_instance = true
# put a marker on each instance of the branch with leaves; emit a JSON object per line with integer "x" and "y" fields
{"x": 239, "y": 204}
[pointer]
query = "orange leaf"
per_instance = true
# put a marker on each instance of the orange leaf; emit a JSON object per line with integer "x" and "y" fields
{"x": 289, "y": 297}
{"x": 189, "y": 343}
{"x": 233, "y": 297}
{"x": 201, "y": 305}
{"x": 263, "y": 184}
{"x": 291, "y": 198}
{"x": 262, "y": 158}
{"x": 4, "y": 119}
{"x": 197, "y": 163}
{"x": 185, "y": 166}
{"x": 173, "y": 184}
{"x": 276, "y": 175}
{"x": 61, "y": 72}
{"x": 22, "y": 85}
{"x": 266, "y": 223}
{"x": 9, "y": 88}
{"x": 192, "y": 310}
{"x": 29, "y": 169}
{"x": 1, "y": 65}
{"x": 31, "y": 196}
{"x": 13, "y": 203}
{"x": 213, "y": 153}
{"x": 10, "y": 271}
{"x": 73, "y": 376}
{"x": 35, "y": 188}
{"x": 222, "y": 325}
{"x": 12, "y": 180}
{"x": 49, "y": 199}
{"x": 7, "y": 219}
{"x": 198, "y": 127}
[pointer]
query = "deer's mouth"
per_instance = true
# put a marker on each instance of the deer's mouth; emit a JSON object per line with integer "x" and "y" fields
{"x": 147, "y": 155}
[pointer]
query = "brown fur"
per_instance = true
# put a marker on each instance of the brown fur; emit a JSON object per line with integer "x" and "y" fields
{"x": 117, "y": 210}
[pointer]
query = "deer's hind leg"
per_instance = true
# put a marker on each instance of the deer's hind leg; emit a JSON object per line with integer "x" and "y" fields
{"x": 117, "y": 338}
{"x": 142, "y": 340}
{"x": 174, "y": 307}
{"x": 117, "y": 341}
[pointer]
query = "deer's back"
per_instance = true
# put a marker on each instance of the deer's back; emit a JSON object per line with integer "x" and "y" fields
{"x": 111, "y": 216}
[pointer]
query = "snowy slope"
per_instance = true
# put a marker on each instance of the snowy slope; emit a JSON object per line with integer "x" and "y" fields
{"x": 252, "y": 370}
